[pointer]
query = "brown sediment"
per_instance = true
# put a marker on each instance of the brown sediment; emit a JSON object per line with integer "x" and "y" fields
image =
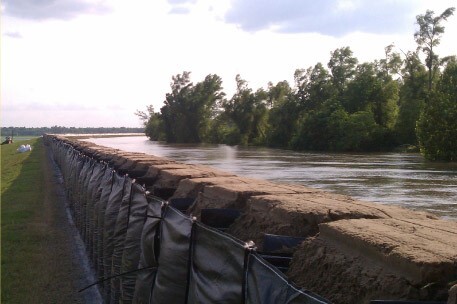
{"x": 365, "y": 259}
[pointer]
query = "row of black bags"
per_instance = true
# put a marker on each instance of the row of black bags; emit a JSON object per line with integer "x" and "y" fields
{"x": 143, "y": 250}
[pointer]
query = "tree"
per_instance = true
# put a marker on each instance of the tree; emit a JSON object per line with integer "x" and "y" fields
{"x": 428, "y": 36}
{"x": 189, "y": 108}
{"x": 437, "y": 126}
{"x": 249, "y": 112}
{"x": 283, "y": 115}
{"x": 152, "y": 122}
{"x": 411, "y": 98}
{"x": 342, "y": 66}
{"x": 313, "y": 86}
{"x": 391, "y": 64}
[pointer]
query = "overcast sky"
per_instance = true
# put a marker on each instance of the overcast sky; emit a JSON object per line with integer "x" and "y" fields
{"x": 93, "y": 63}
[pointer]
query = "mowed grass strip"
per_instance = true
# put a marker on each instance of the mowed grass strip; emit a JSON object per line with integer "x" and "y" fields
{"x": 34, "y": 267}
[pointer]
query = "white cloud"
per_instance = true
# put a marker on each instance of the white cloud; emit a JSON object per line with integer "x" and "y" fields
{"x": 51, "y": 9}
{"x": 13, "y": 34}
{"x": 328, "y": 17}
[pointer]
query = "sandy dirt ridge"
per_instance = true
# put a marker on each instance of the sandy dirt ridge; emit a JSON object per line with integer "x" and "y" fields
{"x": 354, "y": 251}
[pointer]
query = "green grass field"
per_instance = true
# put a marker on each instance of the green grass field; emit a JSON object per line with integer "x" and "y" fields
{"x": 37, "y": 264}
{"x": 22, "y": 190}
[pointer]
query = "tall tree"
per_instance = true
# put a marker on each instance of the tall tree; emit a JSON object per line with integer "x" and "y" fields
{"x": 189, "y": 108}
{"x": 249, "y": 112}
{"x": 313, "y": 86}
{"x": 428, "y": 36}
{"x": 412, "y": 98}
{"x": 437, "y": 126}
{"x": 342, "y": 65}
{"x": 283, "y": 115}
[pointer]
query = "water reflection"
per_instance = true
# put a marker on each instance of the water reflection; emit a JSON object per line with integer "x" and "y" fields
{"x": 388, "y": 178}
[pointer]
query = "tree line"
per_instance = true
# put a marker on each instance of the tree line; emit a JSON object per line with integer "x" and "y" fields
{"x": 23, "y": 131}
{"x": 345, "y": 105}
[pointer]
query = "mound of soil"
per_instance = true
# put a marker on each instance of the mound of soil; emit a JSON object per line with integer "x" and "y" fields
{"x": 354, "y": 261}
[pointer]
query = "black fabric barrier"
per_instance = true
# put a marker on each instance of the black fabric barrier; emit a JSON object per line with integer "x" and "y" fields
{"x": 273, "y": 242}
{"x": 181, "y": 203}
{"x": 110, "y": 217}
{"x": 99, "y": 210}
{"x": 131, "y": 248}
{"x": 120, "y": 230}
{"x": 219, "y": 218}
{"x": 266, "y": 285}
{"x": 93, "y": 198}
{"x": 81, "y": 166}
{"x": 85, "y": 201}
{"x": 171, "y": 279}
{"x": 217, "y": 263}
{"x": 149, "y": 251}
{"x": 73, "y": 186}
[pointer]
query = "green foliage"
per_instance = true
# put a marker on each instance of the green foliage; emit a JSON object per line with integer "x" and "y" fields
{"x": 189, "y": 108}
{"x": 437, "y": 126}
{"x": 333, "y": 129}
{"x": 249, "y": 112}
{"x": 283, "y": 116}
{"x": 412, "y": 96}
{"x": 342, "y": 65}
{"x": 428, "y": 36}
{"x": 224, "y": 131}
{"x": 313, "y": 86}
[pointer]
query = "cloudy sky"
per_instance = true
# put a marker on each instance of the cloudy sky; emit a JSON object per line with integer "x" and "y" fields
{"x": 93, "y": 63}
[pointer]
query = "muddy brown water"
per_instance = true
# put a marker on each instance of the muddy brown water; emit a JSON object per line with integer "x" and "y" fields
{"x": 407, "y": 180}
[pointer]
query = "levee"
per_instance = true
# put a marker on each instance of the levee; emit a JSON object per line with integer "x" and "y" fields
{"x": 157, "y": 230}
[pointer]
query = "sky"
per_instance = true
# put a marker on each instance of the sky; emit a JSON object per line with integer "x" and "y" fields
{"x": 94, "y": 63}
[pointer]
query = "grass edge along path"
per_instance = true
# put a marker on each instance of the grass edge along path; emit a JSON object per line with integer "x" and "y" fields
{"x": 36, "y": 260}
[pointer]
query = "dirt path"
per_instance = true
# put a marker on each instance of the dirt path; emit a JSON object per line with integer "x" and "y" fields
{"x": 64, "y": 247}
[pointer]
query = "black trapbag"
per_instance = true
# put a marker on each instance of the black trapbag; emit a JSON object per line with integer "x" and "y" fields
{"x": 217, "y": 264}
{"x": 93, "y": 197}
{"x": 110, "y": 217}
{"x": 73, "y": 186}
{"x": 101, "y": 198}
{"x": 149, "y": 250}
{"x": 80, "y": 201}
{"x": 120, "y": 230}
{"x": 267, "y": 285}
{"x": 137, "y": 215}
{"x": 87, "y": 203}
{"x": 172, "y": 275}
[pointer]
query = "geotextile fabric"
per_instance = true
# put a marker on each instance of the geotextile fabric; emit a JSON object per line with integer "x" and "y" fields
{"x": 171, "y": 280}
{"x": 149, "y": 251}
{"x": 137, "y": 216}
{"x": 110, "y": 217}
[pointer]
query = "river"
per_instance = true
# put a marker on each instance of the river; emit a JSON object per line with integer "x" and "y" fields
{"x": 387, "y": 178}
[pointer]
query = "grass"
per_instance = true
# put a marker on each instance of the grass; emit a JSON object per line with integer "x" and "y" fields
{"x": 22, "y": 192}
{"x": 34, "y": 259}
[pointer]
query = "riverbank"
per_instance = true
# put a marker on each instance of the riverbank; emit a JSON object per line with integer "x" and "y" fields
{"x": 42, "y": 260}
{"x": 354, "y": 251}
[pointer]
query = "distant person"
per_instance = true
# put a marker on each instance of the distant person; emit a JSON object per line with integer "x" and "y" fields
{"x": 8, "y": 140}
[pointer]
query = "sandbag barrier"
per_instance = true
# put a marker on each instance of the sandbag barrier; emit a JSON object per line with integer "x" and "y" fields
{"x": 143, "y": 250}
